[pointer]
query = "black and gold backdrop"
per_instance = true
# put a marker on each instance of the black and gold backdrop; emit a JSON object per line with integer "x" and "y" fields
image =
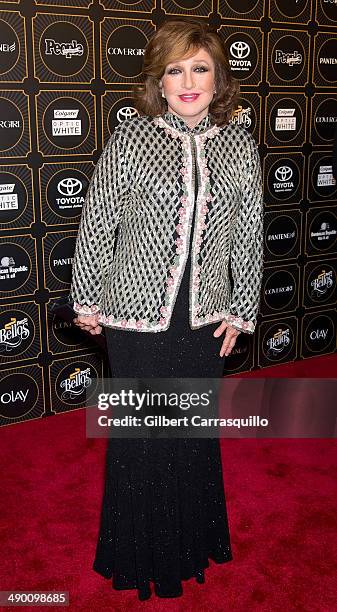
{"x": 66, "y": 67}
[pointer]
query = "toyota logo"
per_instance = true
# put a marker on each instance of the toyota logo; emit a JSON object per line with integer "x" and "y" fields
{"x": 69, "y": 186}
{"x": 283, "y": 173}
{"x": 126, "y": 112}
{"x": 239, "y": 49}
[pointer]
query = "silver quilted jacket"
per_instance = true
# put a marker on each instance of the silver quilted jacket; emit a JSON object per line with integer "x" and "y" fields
{"x": 133, "y": 238}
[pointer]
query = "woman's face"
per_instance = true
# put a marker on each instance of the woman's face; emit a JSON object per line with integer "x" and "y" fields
{"x": 195, "y": 75}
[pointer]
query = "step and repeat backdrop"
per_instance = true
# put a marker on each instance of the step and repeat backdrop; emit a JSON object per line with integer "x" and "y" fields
{"x": 66, "y": 70}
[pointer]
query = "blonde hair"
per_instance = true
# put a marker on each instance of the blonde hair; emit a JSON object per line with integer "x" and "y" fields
{"x": 174, "y": 40}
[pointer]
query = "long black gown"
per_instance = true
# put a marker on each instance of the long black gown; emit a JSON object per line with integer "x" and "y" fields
{"x": 163, "y": 511}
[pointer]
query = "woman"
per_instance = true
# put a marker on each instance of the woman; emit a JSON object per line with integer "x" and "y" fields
{"x": 182, "y": 183}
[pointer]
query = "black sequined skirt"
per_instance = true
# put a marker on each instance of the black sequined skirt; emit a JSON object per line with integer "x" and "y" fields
{"x": 164, "y": 511}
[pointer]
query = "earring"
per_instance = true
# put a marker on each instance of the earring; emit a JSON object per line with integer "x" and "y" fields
{"x": 162, "y": 94}
{"x": 214, "y": 90}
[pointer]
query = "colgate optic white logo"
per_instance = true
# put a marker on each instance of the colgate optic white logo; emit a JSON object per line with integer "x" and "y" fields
{"x": 65, "y": 123}
{"x": 8, "y": 199}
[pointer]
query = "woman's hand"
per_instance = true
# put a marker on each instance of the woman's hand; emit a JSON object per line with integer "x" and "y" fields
{"x": 88, "y": 323}
{"x": 229, "y": 339}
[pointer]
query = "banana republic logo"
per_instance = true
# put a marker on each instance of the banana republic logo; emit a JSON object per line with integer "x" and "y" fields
{"x": 66, "y": 49}
{"x": 8, "y": 269}
{"x": 13, "y": 334}
{"x": 324, "y": 233}
{"x": 75, "y": 384}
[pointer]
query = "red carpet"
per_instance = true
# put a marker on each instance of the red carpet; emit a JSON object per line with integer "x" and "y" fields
{"x": 282, "y": 504}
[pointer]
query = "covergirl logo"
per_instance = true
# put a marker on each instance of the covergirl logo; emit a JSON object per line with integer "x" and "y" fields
{"x": 125, "y": 50}
{"x": 280, "y": 289}
{"x": 11, "y": 124}
{"x": 325, "y": 118}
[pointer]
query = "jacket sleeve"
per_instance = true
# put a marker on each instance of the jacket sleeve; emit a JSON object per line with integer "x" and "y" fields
{"x": 247, "y": 244}
{"x": 101, "y": 213}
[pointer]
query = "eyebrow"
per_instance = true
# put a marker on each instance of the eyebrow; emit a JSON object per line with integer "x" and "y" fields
{"x": 194, "y": 61}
